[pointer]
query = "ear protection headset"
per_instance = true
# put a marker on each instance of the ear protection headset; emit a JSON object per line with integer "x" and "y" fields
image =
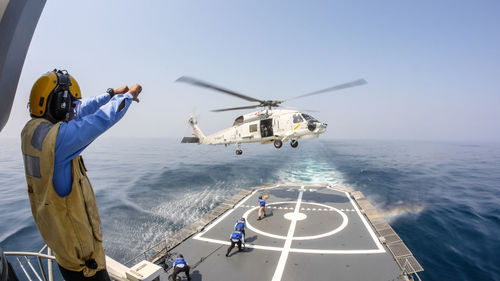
{"x": 61, "y": 99}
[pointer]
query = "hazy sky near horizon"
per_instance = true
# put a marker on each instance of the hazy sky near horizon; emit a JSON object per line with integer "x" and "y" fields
{"x": 432, "y": 66}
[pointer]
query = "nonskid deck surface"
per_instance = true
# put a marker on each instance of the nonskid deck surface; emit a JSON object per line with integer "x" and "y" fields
{"x": 309, "y": 233}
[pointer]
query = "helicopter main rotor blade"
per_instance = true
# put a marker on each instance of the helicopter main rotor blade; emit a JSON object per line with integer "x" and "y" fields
{"x": 199, "y": 83}
{"x": 358, "y": 82}
{"x": 236, "y": 108}
{"x": 300, "y": 109}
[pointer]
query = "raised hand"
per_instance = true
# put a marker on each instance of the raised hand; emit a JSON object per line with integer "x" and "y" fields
{"x": 121, "y": 90}
{"x": 135, "y": 90}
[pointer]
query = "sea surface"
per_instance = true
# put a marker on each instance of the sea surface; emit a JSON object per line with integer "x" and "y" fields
{"x": 443, "y": 199}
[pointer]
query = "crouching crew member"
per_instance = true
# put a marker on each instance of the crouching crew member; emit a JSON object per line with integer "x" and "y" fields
{"x": 240, "y": 226}
{"x": 236, "y": 238}
{"x": 180, "y": 265}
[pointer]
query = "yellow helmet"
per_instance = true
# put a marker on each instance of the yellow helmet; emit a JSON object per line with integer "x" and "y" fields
{"x": 53, "y": 85}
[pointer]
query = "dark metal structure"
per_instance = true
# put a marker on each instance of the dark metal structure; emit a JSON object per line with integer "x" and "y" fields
{"x": 18, "y": 19}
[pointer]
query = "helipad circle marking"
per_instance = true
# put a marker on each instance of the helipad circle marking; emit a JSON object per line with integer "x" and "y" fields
{"x": 379, "y": 249}
{"x": 338, "y": 229}
{"x": 298, "y": 216}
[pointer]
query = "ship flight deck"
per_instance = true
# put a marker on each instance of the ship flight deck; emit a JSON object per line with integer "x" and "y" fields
{"x": 310, "y": 232}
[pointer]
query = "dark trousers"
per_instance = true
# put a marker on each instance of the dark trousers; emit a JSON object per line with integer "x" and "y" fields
{"x": 12, "y": 274}
{"x": 178, "y": 270}
{"x": 232, "y": 246}
{"x": 69, "y": 275}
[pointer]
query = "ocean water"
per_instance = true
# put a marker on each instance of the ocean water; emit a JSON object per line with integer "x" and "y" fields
{"x": 443, "y": 199}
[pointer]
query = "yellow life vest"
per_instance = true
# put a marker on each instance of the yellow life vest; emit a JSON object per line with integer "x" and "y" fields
{"x": 69, "y": 225}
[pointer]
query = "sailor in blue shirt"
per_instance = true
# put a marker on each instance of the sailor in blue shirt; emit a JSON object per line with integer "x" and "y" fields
{"x": 94, "y": 116}
{"x": 180, "y": 265}
{"x": 236, "y": 238}
{"x": 56, "y": 97}
{"x": 262, "y": 208}
{"x": 240, "y": 225}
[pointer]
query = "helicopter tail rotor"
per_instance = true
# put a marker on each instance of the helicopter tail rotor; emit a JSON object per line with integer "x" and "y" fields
{"x": 192, "y": 121}
{"x": 199, "y": 137}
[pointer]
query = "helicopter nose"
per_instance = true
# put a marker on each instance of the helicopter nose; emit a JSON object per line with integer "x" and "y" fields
{"x": 322, "y": 127}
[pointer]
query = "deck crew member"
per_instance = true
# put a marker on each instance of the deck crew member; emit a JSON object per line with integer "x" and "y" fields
{"x": 240, "y": 226}
{"x": 180, "y": 265}
{"x": 62, "y": 200}
{"x": 236, "y": 238}
{"x": 262, "y": 208}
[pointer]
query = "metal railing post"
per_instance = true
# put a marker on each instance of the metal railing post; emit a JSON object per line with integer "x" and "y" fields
{"x": 42, "y": 269}
{"x": 32, "y": 268}
{"x": 24, "y": 270}
{"x": 411, "y": 268}
{"x": 49, "y": 265}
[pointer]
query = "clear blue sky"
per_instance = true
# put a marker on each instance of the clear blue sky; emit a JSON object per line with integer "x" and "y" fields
{"x": 432, "y": 66}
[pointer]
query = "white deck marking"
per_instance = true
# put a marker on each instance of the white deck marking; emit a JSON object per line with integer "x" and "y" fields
{"x": 288, "y": 243}
{"x": 223, "y": 216}
{"x": 294, "y": 250}
{"x": 295, "y": 216}
{"x": 368, "y": 227}
{"x": 345, "y": 220}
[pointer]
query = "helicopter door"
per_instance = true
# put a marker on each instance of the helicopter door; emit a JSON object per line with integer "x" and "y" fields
{"x": 266, "y": 128}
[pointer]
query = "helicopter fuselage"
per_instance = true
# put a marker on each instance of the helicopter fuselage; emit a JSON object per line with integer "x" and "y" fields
{"x": 267, "y": 126}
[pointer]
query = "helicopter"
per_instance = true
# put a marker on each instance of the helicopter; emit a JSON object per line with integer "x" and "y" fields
{"x": 267, "y": 125}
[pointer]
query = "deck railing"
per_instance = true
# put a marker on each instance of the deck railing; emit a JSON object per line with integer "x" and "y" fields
{"x": 25, "y": 263}
{"x": 411, "y": 272}
{"x": 149, "y": 253}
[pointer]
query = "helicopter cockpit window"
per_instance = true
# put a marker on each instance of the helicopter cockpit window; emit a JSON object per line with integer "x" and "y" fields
{"x": 309, "y": 117}
{"x": 238, "y": 120}
{"x": 297, "y": 118}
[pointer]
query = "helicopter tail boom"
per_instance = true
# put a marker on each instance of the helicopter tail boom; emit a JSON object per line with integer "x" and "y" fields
{"x": 197, "y": 132}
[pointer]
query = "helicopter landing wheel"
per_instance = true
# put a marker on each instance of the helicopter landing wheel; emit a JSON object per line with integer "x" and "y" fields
{"x": 239, "y": 151}
{"x": 278, "y": 143}
{"x": 294, "y": 143}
